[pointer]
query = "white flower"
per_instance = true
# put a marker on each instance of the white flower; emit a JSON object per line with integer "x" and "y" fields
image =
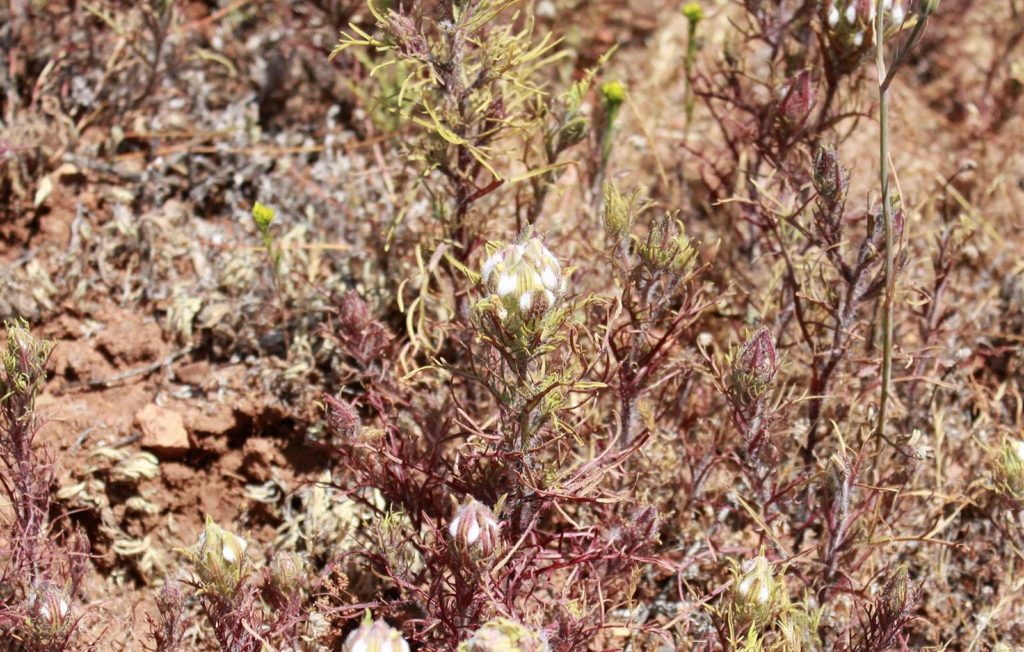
{"x": 858, "y": 39}
{"x": 851, "y": 13}
{"x": 897, "y": 14}
{"x": 833, "y": 16}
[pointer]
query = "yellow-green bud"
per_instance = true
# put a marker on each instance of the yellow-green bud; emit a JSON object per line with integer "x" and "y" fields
{"x": 375, "y": 636}
{"x": 262, "y": 215}
{"x": 504, "y": 635}
{"x": 614, "y": 93}
{"x": 693, "y": 12}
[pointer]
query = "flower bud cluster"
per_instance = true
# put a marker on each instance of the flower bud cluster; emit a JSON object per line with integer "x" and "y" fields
{"x": 504, "y": 635}
{"x": 474, "y": 530}
{"x": 375, "y": 636}
{"x": 524, "y": 280}
{"x": 219, "y": 558}
{"x": 850, "y": 24}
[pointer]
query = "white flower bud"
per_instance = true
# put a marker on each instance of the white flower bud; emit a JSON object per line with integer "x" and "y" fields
{"x": 376, "y": 636}
{"x": 851, "y": 13}
{"x": 504, "y": 635}
{"x": 219, "y": 557}
{"x": 474, "y": 529}
{"x": 833, "y": 16}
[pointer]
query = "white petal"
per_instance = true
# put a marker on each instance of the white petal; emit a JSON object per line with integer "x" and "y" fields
{"x": 549, "y": 297}
{"x": 744, "y": 587}
{"x": 897, "y": 14}
{"x": 549, "y": 278}
{"x": 453, "y": 527}
{"x": 1018, "y": 449}
{"x": 887, "y": 4}
{"x": 360, "y": 645}
{"x": 229, "y": 554}
{"x": 506, "y": 284}
{"x": 833, "y": 16}
{"x": 851, "y": 14}
{"x": 489, "y": 266}
{"x": 473, "y": 533}
{"x": 858, "y": 39}
{"x": 763, "y": 595}
{"x": 525, "y": 302}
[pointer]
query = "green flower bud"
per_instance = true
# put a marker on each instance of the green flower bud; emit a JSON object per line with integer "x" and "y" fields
{"x": 617, "y": 214}
{"x": 756, "y": 594}
{"x": 504, "y": 635}
{"x": 375, "y": 636}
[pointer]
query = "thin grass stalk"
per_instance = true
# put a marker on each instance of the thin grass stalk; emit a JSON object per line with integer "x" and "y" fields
{"x": 883, "y": 141}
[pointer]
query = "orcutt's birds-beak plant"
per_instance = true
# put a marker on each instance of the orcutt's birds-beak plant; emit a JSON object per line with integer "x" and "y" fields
{"x": 633, "y": 348}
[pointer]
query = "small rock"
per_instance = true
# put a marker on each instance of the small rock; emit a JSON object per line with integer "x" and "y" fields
{"x": 163, "y": 431}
